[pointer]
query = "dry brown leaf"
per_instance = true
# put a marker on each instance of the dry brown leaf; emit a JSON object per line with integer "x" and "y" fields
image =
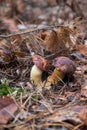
{"x": 11, "y": 51}
{"x": 70, "y": 114}
{"x": 76, "y": 8}
{"x": 20, "y": 6}
{"x": 7, "y": 109}
{"x": 6, "y": 53}
{"x": 83, "y": 115}
{"x": 84, "y": 91}
{"x": 83, "y": 49}
{"x": 61, "y": 39}
{"x": 10, "y": 24}
{"x": 44, "y": 34}
{"x": 52, "y": 42}
{"x": 64, "y": 34}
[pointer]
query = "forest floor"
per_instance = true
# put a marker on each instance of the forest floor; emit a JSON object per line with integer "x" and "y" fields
{"x": 50, "y": 29}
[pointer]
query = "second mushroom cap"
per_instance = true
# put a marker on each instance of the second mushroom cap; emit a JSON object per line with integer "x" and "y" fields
{"x": 64, "y": 64}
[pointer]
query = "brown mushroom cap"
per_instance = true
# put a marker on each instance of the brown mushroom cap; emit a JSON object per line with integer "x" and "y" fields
{"x": 64, "y": 64}
{"x": 40, "y": 62}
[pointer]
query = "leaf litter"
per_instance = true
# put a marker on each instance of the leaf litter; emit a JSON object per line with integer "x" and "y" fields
{"x": 23, "y": 105}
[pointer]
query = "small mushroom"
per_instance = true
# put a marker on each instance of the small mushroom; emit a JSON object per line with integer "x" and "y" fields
{"x": 63, "y": 65}
{"x": 40, "y": 65}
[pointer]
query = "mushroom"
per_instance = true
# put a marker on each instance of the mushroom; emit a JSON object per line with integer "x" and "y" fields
{"x": 40, "y": 65}
{"x": 63, "y": 65}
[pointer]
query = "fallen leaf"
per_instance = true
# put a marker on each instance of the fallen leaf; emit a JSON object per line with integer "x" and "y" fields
{"x": 66, "y": 114}
{"x": 61, "y": 39}
{"x": 10, "y": 24}
{"x": 6, "y": 53}
{"x": 83, "y": 49}
{"x": 84, "y": 91}
{"x": 83, "y": 115}
{"x": 52, "y": 42}
{"x": 7, "y": 109}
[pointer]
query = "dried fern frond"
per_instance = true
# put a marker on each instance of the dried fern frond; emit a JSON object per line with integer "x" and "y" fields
{"x": 34, "y": 44}
{"x": 79, "y": 24}
{"x": 62, "y": 38}
{"x": 52, "y": 42}
{"x": 6, "y": 52}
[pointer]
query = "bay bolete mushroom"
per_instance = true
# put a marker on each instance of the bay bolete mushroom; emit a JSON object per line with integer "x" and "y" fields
{"x": 63, "y": 65}
{"x": 40, "y": 65}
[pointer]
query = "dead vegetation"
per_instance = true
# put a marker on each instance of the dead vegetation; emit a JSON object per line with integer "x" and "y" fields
{"x": 48, "y": 30}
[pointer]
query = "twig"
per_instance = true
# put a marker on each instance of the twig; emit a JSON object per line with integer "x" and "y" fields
{"x": 63, "y": 124}
{"x": 30, "y": 31}
{"x": 11, "y": 114}
{"x": 53, "y": 55}
{"x": 78, "y": 126}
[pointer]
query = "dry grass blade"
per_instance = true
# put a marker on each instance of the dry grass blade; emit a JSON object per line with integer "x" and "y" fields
{"x": 30, "y": 96}
{"x": 22, "y": 106}
{"x": 45, "y": 103}
{"x": 78, "y": 126}
{"x": 34, "y": 44}
{"x": 11, "y": 115}
{"x": 64, "y": 124}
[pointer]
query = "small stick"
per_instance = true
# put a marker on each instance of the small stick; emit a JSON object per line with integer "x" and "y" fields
{"x": 30, "y": 31}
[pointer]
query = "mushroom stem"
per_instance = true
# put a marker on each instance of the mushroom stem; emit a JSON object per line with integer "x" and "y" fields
{"x": 36, "y": 75}
{"x": 54, "y": 78}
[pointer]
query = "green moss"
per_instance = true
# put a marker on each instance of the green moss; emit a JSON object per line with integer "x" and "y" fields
{"x": 5, "y": 89}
